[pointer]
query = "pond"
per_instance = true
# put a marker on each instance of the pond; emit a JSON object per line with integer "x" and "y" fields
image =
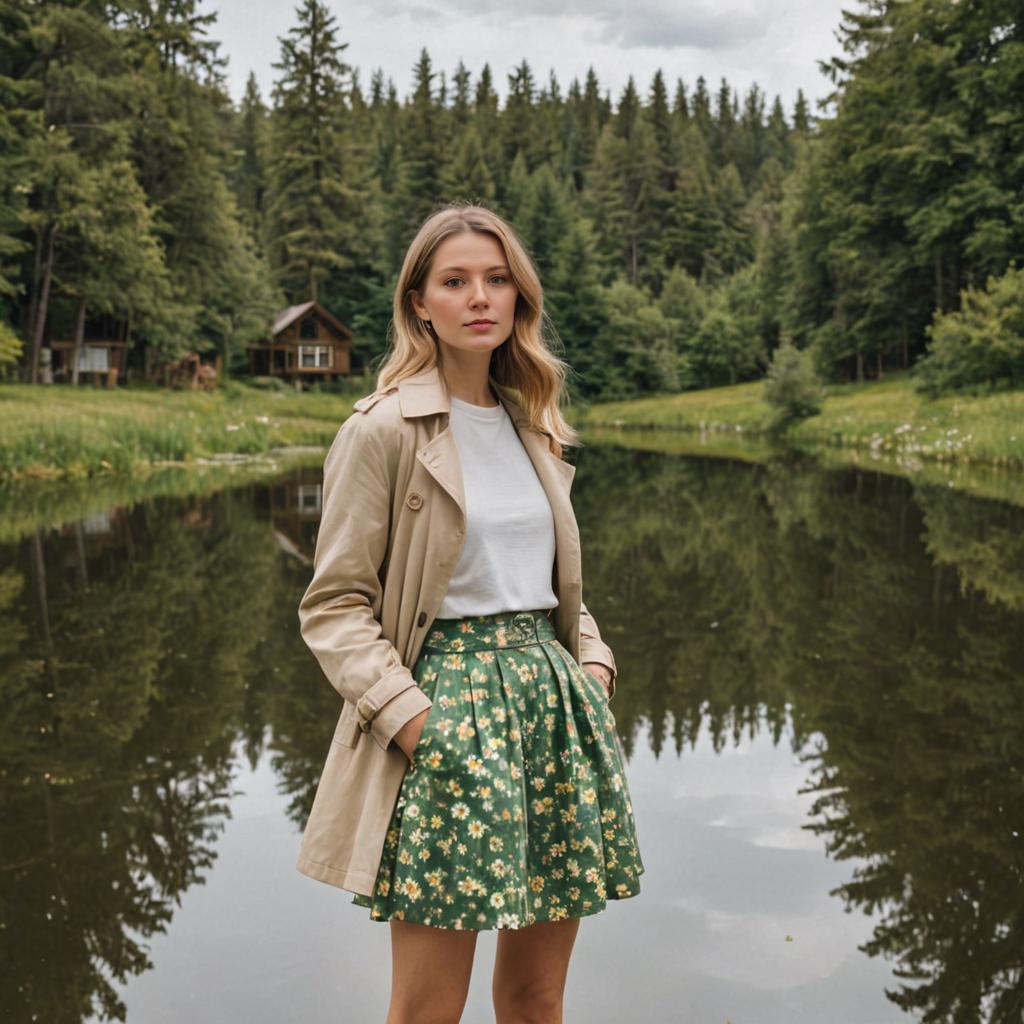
{"x": 820, "y": 695}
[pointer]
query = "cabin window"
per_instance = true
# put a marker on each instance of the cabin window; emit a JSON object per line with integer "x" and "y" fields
{"x": 93, "y": 360}
{"x": 307, "y": 329}
{"x": 310, "y": 498}
{"x": 314, "y": 356}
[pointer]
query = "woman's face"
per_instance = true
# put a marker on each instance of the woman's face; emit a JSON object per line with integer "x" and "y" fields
{"x": 468, "y": 294}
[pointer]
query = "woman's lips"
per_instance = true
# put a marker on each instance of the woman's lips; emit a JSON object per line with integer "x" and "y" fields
{"x": 481, "y": 327}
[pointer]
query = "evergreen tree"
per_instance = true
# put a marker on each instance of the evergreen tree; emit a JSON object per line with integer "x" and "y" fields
{"x": 249, "y": 181}
{"x": 423, "y": 151}
{"x": 311, "y": 207}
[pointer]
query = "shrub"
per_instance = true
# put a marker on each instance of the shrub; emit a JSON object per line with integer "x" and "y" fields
{"x": 980, "y": 344}
{"x": 10, "y": 349}
{"x": 792, "y": 388}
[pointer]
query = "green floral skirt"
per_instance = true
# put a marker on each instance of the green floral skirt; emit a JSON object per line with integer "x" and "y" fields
{"x": 516, "y": 807}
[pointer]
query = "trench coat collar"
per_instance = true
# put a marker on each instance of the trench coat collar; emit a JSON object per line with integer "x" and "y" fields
{"x": 424, "y": 394}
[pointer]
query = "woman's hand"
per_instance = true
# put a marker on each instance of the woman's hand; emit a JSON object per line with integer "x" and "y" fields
{"x": 602, "y": 673}
{"x": 408, "y": 736}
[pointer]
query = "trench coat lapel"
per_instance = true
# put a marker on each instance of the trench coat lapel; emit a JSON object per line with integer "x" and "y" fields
{"x": 423, "y": 394}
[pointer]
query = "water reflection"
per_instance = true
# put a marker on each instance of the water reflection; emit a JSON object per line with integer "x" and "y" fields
{"x": 873, "y": 624}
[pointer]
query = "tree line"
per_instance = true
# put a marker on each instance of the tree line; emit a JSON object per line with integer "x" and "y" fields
{"x": 683, "y": 232}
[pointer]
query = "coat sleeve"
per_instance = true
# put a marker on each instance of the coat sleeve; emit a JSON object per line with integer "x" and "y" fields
{"x": 338, "y": 612}
{"x": 593, "y": 648}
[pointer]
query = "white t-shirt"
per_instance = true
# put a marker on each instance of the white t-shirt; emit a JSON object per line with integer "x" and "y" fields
{"x": 509, "y": 554}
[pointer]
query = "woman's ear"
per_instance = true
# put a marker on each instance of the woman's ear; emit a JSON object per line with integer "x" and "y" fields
{"x": 417, "y": 304}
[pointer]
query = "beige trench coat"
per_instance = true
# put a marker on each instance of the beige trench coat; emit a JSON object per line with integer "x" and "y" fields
{"x": 393, "y": 527}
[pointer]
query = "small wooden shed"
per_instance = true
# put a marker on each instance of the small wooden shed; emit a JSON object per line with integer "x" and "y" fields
{"x": 305, "y": 341}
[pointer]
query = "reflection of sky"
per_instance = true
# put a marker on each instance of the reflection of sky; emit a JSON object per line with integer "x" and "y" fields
{"x": 730, "y": 874}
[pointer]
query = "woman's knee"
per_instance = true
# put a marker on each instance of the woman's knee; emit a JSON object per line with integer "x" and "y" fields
{"x": 528, "y": 1001}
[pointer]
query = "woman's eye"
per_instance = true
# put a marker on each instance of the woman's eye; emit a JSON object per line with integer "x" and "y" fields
{"x": 450, "y": 279}
{"x": 500, "y": 278}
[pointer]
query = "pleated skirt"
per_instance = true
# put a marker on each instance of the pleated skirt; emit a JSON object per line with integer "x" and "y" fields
{"x": 516, "y": 808}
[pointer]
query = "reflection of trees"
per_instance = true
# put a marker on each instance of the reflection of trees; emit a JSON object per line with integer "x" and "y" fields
{"x": 116, "y": 740}
{"x": 133, "y": 665}
{"x": 731, "y": 592}
{"x": 984, "y": 540}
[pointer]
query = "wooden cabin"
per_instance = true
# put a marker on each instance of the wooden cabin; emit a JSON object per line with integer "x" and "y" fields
{"x": 306, "y": 342}
{"x": 99, "y": 360}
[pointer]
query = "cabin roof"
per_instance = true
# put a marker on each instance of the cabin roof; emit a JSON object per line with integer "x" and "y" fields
{"x": 288, "y": 316}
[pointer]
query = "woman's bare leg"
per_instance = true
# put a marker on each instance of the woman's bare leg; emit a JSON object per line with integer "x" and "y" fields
{"x": 529, "y": 972}
{"x": 430, "y": 971}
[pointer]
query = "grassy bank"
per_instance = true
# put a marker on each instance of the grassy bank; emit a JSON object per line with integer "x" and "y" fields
{"x": 884, "y": 417}
{"x": 76, "y": 433}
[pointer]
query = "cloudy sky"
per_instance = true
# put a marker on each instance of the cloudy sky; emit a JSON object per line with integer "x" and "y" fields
{"x": 775, "y": 43}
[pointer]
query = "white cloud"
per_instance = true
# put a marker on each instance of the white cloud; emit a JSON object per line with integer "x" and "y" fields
{"x": 771, "y": 42}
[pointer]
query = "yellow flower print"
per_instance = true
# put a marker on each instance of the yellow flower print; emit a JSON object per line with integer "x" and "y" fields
{"x": 411, "y": 889}
{"x": 495, "y": 843}
{"x": 465, "y": 730}
{"x": 476, "y": 829}
{"x": 471, "y": 887}
{"x": 404, "y": 857}
{"x": 536, "y": 883}
{"x": 588, "y": 796}
{"x": 474, "y": 765}
{"x": 424, "y": 854}
{"x": 435, "y": 821}
{"x": 434, "y": 879}
{"x": 460, "y": 811}
{"x": 454, "y": 788}
{"x": 497, "y": 899}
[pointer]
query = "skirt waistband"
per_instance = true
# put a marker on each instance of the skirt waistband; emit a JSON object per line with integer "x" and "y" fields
{"x": 489, "y": 632}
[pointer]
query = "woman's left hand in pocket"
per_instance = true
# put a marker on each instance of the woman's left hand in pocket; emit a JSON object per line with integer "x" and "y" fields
{"x": 602, "y": 673}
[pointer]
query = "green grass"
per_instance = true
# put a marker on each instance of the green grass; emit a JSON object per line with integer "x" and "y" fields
{"x": 883, "y": 417}
{"x": 60, "y": 432}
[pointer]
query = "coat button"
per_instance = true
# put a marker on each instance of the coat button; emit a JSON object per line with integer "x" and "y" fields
{"x": 422, "y": 620}
{"x": 365, "y": 725}
{"x": 414, "y": 501}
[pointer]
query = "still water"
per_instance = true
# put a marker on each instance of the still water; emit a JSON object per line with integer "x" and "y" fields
{"x": 820, "y": 695}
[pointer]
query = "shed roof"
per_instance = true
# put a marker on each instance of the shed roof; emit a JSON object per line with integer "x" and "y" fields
{"x": 288, "y": 316}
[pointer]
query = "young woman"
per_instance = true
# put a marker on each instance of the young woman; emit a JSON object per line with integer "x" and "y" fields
{"x": 476, "y": 778}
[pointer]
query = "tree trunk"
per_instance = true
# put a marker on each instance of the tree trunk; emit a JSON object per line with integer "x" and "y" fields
{"x": 76, "y": 352}
{"x": 44, "y": 301}
{"x": 938, "y": 283}
{"x": 860, "y": 366}
{"x": 880, "y": 370}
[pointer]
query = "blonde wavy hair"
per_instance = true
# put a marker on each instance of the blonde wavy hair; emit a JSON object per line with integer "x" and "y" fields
{"x": 523, "y": 366}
